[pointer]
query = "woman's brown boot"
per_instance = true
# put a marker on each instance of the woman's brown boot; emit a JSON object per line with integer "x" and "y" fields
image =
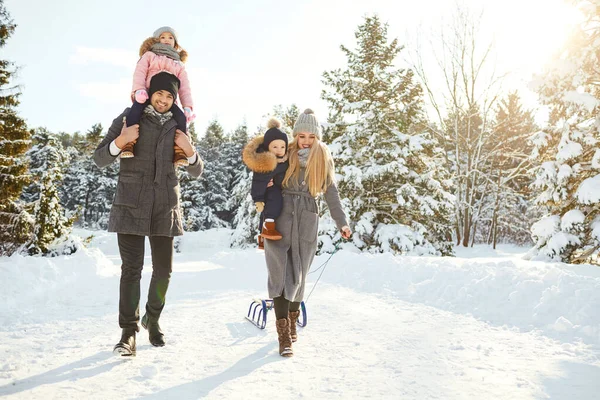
{"x": 293, "y": 317}
{"x": 285, "y": 340}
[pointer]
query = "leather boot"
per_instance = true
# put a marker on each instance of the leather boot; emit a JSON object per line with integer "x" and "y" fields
{"x": 261, "y": 242}
{"x": 293, "y": 316}
{"x": 127, "y": 150}
{"x": 180, "y": 159}
{"x": 126, "y": 346}
{"x": 155, "y": 334}
{"x": 285, "y": 340}
{"x": 269, "y": 231}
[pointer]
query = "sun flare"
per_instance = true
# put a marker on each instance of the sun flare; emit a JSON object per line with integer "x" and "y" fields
{"x": 532, "y": 31}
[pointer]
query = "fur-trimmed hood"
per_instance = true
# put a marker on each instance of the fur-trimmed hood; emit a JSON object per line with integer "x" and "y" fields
{"x": 257, "y": 160}
{"x": 148, "y": 43}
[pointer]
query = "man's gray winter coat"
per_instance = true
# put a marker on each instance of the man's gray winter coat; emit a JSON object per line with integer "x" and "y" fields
{"x": 147, "y": 198}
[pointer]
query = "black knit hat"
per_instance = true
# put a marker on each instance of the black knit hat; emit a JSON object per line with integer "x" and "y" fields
{"x": 164, "y": 81}
{"x": 274, "y": 134}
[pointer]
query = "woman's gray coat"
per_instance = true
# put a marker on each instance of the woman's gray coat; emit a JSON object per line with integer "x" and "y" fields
{"x": 289, "y": 259}
{"x": 147, "y": 199}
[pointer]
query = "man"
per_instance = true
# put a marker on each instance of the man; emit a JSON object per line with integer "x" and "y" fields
{"x": 146, "y": 203}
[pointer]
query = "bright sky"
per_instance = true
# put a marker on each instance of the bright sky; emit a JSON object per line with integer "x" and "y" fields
{"x": 77, "y": 58}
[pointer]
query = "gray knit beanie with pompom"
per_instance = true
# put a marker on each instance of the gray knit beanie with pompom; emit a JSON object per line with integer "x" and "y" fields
{"x": 307, "y": 123}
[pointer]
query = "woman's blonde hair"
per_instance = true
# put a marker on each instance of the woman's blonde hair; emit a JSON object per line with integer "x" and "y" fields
{"x": 319, "y": 171}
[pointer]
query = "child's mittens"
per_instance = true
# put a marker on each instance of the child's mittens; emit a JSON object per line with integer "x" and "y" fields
{"x": 189, "y": 114}
{"x": 141, "y": 96}
{"x": 260, "y": 206}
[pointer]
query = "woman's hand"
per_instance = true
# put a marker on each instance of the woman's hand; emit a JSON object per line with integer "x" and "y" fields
{"x": 346, "y": 232}
{"x": 270, "y": 183}
{"x": 182, "y": 140}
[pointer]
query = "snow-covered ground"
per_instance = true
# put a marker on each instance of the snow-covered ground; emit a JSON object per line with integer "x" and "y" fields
{"x": 484, "y": 325}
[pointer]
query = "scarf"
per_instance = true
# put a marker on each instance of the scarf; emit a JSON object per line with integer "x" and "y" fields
{"x": 162, "y": 118}
{"x": 162, "y": 49}
{"x": 303, "y": 156}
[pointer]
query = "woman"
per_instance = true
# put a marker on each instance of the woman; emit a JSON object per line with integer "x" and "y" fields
{"x": 310, "y": 173}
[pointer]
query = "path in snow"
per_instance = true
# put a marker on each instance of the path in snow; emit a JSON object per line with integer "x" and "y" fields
{"x": 357, "y": 344}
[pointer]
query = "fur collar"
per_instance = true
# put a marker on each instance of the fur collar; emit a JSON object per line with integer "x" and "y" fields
{"x": 257, "y": 160}
{"x": 148, "y": 43}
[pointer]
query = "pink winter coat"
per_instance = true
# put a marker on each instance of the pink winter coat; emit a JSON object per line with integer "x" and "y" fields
{"x": 151, "y": 64}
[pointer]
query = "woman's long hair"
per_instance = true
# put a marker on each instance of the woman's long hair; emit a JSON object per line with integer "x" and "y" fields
{"x": 319, "y": 171}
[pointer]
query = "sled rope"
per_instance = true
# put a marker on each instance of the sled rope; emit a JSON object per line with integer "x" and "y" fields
{"x": 322, "y": 268}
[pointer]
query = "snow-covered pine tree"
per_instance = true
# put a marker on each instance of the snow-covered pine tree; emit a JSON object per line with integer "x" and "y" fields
{"x": 86, "y": 188}
{"x": 236, "y": 170}
{"x": 47, "y": 160}
{"x": 508, "y": 214}
{"x": 188, "y": 189}
{"x": 15, "y": 222}
{"x": 388, "y": 172}
{"x": 68, "y": 140}
{"x": 245, "y": 219}
{"x": 51, "y": 224}
{"x": 192, "y": 133}
{"x": 204, "y": 200}
{"x": 72, "y": 190}
{"x": 88, "y": 143}
{"x": 567, "y": 150}
{"x": 45, "y": 153}
{"x": 189, "y": 185}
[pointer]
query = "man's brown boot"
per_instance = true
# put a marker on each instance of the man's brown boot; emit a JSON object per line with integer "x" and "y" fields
{"x": 293, "y": 316}
{"x": 285, "y": 340}
{"x": 127, "y": 150}
{"x": 269, "y": 231}
{"x": 180, "y": 159}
